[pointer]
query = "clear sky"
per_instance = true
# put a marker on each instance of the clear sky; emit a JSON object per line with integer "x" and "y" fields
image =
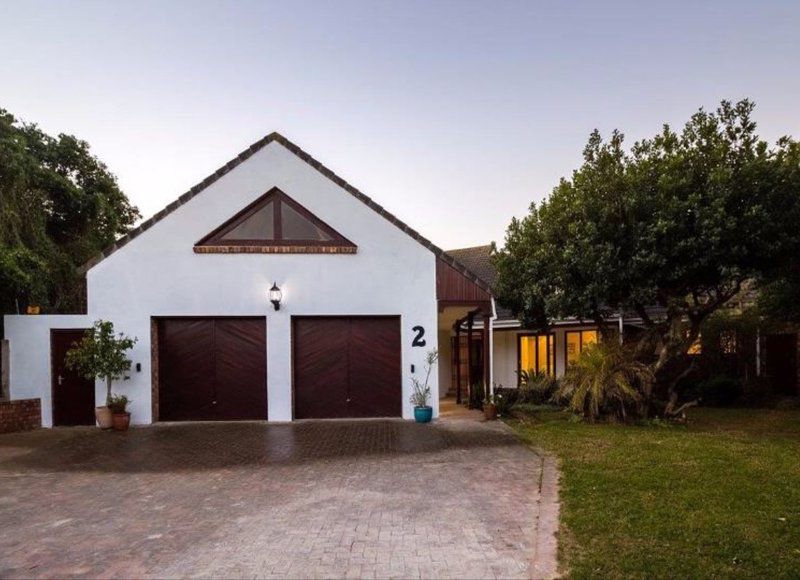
{"x": 453, "y": 115}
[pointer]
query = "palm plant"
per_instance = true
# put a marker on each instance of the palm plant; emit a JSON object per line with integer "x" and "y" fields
{"x": 535, "y": 386}
{"x": 604, "y": 380}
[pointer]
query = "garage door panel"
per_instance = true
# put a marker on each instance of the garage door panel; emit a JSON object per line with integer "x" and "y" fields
{"x": 186, "y": 376}
{"x": 240, "y": 368}
{"x": 212, "y": 369}
{"x": 320, "y": 366}
{"x": 347, "y": 367}
{"x": 375, "y": 381}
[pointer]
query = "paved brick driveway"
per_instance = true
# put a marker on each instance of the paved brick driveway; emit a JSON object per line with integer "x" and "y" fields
{"x": 312, "y": 499}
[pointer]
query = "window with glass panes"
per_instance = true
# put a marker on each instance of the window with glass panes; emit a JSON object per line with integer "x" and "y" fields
{"x": 536, "y": 353}
{"x": 577, "y": 340}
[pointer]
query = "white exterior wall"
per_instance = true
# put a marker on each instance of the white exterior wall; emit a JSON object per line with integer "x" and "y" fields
{"x": 29, "y": 355}
{"x": 505, "y": 353}
{"x": 158, "y": 274}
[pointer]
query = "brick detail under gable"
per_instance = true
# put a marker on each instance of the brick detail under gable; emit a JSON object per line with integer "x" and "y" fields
{"x": 275, "y": 249}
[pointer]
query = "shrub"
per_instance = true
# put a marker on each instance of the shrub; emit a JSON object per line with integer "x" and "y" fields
{"x": 535, "y": 387}
{"x": 605, "y": 381}
{"x": 718, "y": 391}
{"x": 119, "y": 403}
{"x": 505, "y": 398}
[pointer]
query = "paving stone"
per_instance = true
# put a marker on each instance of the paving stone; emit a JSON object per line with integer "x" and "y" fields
{"x": 324, "y": 499}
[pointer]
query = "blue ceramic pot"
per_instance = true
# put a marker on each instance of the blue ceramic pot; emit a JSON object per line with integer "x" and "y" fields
{"x": 423, "y": 414}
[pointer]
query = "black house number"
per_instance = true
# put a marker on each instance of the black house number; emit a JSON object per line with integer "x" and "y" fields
{"x": 419, "y": 339}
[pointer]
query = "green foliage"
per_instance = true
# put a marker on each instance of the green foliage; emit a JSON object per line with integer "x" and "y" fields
{"x": 101, "y": 354}
{"x": 717, "y": 391}
{"x": 605, "y": 380}
{"x": 680, "y": 221}
{"x": 119, "y": 403}
{"x": 59, "y": 206}
{"x": 778, "y": 295}
{"x": 504, "y": 399}
{"x": 536, "y": 387}
{"x": 421, "y": 393}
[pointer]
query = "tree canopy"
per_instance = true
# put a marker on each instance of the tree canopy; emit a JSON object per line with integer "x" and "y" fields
{"x": 101, "y": 354}
{"x": 59, "y": 205}
{"x": 680, "y": 221}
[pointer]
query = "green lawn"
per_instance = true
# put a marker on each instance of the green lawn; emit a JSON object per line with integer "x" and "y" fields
{"x": 718, "y": 498}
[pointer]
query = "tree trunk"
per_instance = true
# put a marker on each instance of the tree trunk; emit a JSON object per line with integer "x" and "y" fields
{"x": 675, "y": 343}
{"x": 108, "y": 391}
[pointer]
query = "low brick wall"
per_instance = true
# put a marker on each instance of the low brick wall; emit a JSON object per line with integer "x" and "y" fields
{"x": 20, "y": 415}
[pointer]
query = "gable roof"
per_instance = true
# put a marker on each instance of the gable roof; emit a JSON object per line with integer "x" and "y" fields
{"x": 246, "y": 154}
{"x": 478, "y": 259}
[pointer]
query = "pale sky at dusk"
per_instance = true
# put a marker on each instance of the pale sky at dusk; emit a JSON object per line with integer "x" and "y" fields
{"x": 453, "y": 115}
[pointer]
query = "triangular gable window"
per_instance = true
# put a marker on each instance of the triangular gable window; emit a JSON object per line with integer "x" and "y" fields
{"x": 275, "y": 223}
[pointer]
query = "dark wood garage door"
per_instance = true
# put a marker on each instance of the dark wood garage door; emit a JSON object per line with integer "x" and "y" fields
{"x": 212, "y": 369}
{"x": 346, "y": 367}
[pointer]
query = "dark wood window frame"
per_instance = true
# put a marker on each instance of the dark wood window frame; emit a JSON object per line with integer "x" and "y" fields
{"x": 214, "y": 243}
{"x": 551, "y": 352}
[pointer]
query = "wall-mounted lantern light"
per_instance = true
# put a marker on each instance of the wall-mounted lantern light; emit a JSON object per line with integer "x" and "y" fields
{"x": 275, "y": 296}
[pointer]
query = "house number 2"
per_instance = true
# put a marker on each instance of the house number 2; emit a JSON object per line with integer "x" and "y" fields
{"x": 419, "y": 339}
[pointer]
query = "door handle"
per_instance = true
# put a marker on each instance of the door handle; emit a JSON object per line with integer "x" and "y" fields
{"x": 60, "y": 380}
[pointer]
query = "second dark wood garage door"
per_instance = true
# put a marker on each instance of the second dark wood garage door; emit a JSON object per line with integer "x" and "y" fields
{"x": 212, "y": 369}
{"x": 346, "y": 367}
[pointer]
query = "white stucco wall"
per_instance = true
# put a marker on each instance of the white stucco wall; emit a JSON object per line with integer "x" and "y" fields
{"x": 158, "y": 274}
{"x": 29, "y": 356}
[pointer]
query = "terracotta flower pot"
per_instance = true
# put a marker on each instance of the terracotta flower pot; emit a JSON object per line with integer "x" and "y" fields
{"x": 490, "y": 411}
{"x": 121, "y": 421}
{"x": 104, "y": 417}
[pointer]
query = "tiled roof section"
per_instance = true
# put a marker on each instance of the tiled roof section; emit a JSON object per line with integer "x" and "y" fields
{"x": 249, "y": 152}
{"x": 479, "y": 260}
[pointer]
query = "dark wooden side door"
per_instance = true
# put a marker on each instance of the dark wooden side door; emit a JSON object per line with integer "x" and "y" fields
{"x": 73, "y": 394}
{"x": 212, "y": 369}
{"x": 346, "y": 367}
{"x": 781, "y": 363}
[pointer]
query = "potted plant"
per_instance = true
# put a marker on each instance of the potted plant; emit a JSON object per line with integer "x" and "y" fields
{"x": 101, "y": 355}
{"x": 120, "y": 417}
{"x": 423, "y": 413}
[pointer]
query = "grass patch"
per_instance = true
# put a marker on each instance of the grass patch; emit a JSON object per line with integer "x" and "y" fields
{"x": 719, "y": 497}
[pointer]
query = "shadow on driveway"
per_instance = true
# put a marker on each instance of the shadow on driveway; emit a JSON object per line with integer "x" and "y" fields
{"x": 209, "y": 446}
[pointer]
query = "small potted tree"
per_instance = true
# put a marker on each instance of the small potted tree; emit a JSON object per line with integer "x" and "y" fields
{"x": 120, "y": 417}
{"x": 102, "y": 355}
{"x": 423, "y": 413}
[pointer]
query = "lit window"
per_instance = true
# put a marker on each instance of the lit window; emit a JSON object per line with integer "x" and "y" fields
{"x": 536, "y": 353}
{"x": 576, "y": 341}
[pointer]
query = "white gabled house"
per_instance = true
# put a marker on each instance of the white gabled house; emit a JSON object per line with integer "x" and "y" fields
{"x": 364, "y": 297}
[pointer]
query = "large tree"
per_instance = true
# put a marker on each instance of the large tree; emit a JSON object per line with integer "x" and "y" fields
{"x": 59, "y": 205}
{"x": 680, "y": 221}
